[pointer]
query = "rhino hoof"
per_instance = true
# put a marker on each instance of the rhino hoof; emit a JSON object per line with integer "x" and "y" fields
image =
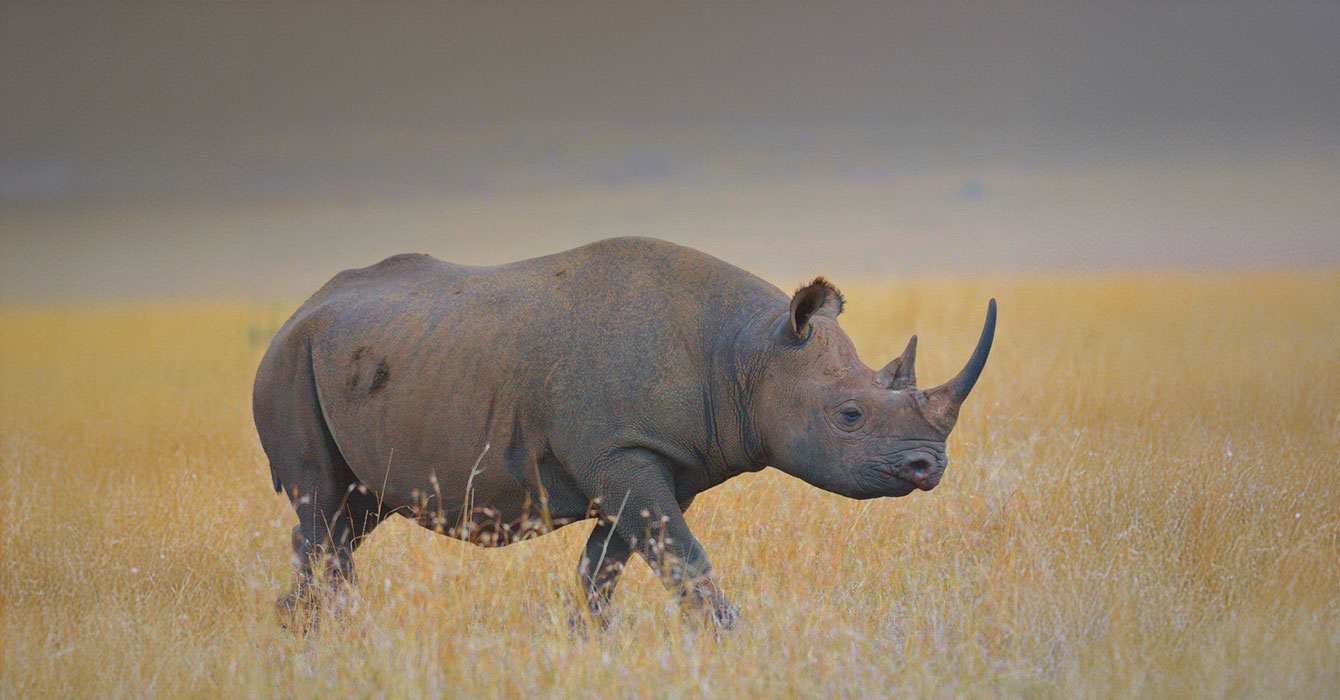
{"x": 297, "y": 610}
{"x": 726, "y": 616}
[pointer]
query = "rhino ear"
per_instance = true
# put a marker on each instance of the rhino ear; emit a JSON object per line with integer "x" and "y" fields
{"x": 819, "y": 296}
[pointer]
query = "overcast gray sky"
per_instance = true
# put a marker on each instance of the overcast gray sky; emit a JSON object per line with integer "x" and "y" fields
{"x": 1233, "y": 104}
{"x": 85, "y": 77}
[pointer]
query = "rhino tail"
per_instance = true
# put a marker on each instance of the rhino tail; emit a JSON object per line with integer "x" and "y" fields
{"x": 290, "y": 421}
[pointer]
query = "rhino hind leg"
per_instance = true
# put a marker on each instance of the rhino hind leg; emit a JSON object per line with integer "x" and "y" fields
{"x": 335, "y": 511}
{"x": 323, "y": 542}
{"x": 329, "y": 533}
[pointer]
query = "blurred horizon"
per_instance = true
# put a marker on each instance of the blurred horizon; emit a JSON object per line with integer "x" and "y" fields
{"x": 183, "y": 150}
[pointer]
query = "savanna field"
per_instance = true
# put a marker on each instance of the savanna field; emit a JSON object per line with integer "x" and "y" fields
{"x": 1142, "y": 500}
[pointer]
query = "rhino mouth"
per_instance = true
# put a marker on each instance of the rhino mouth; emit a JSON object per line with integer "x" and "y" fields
{"x": 900, "y": 487}
{"x": 884, "y": 481}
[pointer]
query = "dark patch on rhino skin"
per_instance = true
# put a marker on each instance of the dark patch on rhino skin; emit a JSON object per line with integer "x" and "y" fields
{"x": 379, "y": 377}
{"x": 355, "y": 371}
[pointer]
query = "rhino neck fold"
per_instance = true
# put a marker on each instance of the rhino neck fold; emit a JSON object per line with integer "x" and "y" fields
{"x": 734, "y": 372}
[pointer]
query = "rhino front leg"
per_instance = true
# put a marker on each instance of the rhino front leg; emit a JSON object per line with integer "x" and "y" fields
{"x": 652, "y": 523}
{"x": 601, "y": 565}
{"x": 671, "y": 550}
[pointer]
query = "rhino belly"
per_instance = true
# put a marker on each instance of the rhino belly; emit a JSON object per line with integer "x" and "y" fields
{"x": 448, "y": 447}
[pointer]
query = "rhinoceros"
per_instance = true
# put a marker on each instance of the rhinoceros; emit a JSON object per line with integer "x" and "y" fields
{"x": 615, "y": 382}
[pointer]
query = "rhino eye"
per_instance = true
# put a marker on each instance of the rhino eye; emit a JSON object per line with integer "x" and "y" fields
{"x": 850, "y": 416}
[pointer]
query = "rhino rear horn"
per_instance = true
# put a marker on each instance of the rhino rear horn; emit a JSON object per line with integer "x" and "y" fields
{"x": 901, "y": 373}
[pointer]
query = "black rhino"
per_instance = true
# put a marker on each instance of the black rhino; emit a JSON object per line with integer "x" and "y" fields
{"x": 614, "y": 381}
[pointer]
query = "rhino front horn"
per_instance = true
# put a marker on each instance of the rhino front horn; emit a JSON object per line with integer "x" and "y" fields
{"x": 946, "y": 398}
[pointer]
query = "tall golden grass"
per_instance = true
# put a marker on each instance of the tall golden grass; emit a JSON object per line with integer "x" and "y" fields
{"x": 1143, "y": 499}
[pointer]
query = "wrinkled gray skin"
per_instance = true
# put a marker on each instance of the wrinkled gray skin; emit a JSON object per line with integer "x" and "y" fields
{"x": 615, "y": 381}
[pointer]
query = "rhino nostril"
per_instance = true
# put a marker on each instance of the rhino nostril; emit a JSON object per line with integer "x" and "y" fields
{"x": 919, "y": 466}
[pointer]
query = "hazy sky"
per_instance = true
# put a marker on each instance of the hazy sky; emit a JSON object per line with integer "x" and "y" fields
{"x": 84, "y": 77}
{"x": 1206, "y": 132}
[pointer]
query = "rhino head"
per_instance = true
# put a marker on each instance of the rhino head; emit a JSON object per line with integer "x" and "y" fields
{"x": 827, "y": 418}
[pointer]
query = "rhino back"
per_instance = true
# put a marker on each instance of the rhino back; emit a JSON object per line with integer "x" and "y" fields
{"x": 420, "y": 364}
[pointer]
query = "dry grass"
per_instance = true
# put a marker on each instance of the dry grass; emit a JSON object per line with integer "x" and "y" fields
{"x": 1142, "y": 500}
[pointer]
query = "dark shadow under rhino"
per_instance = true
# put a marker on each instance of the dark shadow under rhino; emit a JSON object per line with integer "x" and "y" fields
{"x": 614, "y": 381}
